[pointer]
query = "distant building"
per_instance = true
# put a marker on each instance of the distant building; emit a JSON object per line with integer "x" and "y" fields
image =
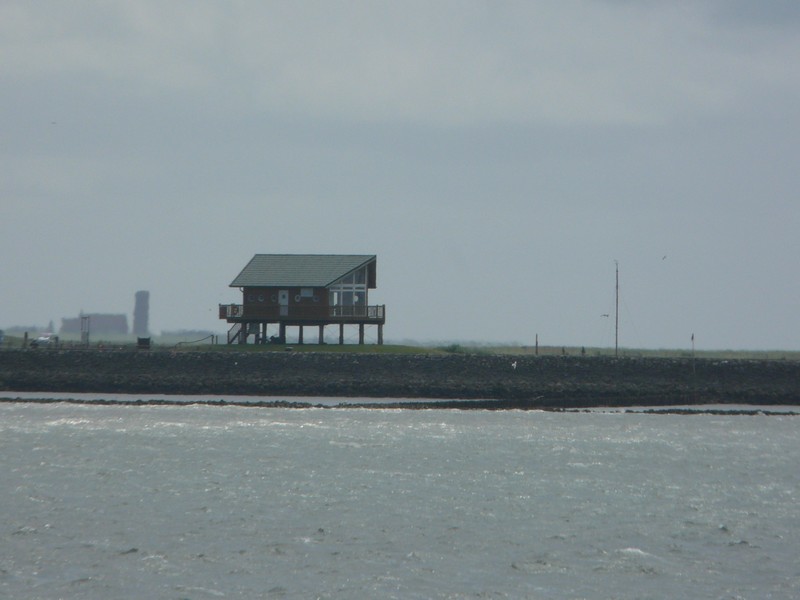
{"x": 141, "y": 313}
{"x": 303, "y": 290}
{"x": 99, "y": 323}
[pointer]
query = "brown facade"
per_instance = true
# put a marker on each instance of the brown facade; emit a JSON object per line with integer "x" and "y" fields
{"x": 273, "y": 303}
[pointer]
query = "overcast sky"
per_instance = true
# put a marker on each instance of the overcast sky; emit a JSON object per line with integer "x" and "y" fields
{"x": 497, "y": 157}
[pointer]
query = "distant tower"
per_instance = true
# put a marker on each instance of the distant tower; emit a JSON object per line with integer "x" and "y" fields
{"x": 141, "y": 313}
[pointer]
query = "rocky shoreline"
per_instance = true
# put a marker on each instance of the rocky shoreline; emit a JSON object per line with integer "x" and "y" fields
{"x": 453, "y": 380}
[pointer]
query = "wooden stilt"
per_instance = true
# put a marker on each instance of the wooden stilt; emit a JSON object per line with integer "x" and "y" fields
{"x": 300, "y": 334}
{"x": 380, "y": 335}
{"x": 361, "y": 333}
{"x": 341, "y": 333}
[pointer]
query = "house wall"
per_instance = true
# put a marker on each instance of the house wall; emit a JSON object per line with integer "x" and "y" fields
{"x": 304, "y": 302}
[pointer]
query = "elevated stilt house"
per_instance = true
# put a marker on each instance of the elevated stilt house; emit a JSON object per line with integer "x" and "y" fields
{"x": 299, "y": 290}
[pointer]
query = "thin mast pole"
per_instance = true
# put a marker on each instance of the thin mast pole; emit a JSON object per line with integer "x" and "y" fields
{"x": 616, "y": 313}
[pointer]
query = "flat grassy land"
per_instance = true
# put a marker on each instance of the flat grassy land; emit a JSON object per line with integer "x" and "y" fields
{"x": 177, "y": 344}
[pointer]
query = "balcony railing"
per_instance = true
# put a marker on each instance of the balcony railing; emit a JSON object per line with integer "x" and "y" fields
{"x": 370, "y": 312}
{"x": 240, "y": 312}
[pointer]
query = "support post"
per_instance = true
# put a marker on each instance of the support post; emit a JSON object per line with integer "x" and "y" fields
{"x": 321, "y": 334}
{"x": 341, "y": 334}
{"x": 380, "y": 334}
{"x": 361, "y": 333}
{"x": 282, "y": 333}
{"x": 616, "y": 312}
{"x": 300, "y": 335}
{"x": 85, "y": 326}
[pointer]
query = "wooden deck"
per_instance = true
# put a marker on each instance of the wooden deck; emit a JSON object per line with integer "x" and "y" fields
{"x": 253, "y": 321}
{"x": 303, "y": 315}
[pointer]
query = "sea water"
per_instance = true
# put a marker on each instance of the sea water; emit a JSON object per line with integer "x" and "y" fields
{"x": 235, "y": 502}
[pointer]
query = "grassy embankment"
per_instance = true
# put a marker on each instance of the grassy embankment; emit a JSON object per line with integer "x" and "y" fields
{"x": 177, "y": 344}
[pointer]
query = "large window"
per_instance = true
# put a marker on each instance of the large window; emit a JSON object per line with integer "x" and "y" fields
{"x": 350, "y": 290}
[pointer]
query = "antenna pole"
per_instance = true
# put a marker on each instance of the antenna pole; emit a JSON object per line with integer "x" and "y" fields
{"x": 616, "y": 312}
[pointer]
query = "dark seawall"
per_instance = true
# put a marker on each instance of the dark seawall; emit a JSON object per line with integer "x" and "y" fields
{"x": 536, "y": 382}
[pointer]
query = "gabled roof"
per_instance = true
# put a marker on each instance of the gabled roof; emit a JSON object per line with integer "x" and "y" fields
{"x": 299, "y": 270}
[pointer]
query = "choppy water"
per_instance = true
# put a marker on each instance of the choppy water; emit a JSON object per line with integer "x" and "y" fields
{"x": 233, "y": 502}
